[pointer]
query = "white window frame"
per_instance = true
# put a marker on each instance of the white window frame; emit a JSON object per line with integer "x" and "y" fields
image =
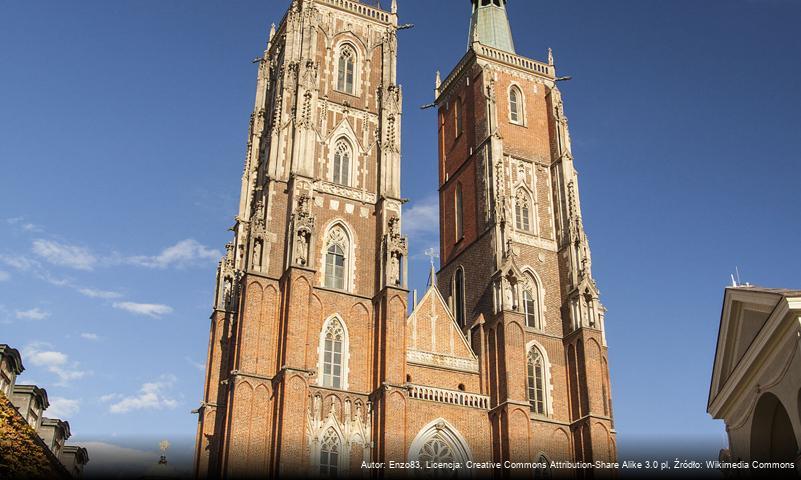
{"x": 521, "y": 105}
{"x": 340, "y": 50}
{"x": 547, "y": 388}
{"x": 347, "y": 145}
{"x": 344, "y": 367}
{"x": 339, "y": 233}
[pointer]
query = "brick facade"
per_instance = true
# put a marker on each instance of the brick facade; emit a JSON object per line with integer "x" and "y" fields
{"x": 318, "y": 266}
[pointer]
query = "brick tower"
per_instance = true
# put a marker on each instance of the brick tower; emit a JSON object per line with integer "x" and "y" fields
{"x": 314, "y": 366}
{"x": 308, "y": 325}
{"x": 516, "y": 265}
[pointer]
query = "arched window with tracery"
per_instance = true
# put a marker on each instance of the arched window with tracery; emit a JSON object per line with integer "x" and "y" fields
{"x": 458, "y": 297}
{"x": 333, "y": 355}
{"x": 523, "y": 211}
{"x": 336, "y": 258}
{"x": 536, "y": 381}
{"x": 543, "y": 470}
{"x": 439, "y": 443}
{"x": 343, "y": 156}
{"x": 516, "y": 105}
{"x": 330, "y": 450}
{"x": 437, "y": 450}
{"x": 346, "y": 74}
{"x": 531, "y": 309}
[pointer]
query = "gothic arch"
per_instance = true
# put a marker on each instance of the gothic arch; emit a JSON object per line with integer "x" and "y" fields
{"x": 543, "y": 470}
{"x": 342, "y": 159}
{"x": 772, "y": 435}
{"x": 517, "y": 105}
{"x": 334, "y": 328}
{"x": 799, "y": 406}
{"x": 347, "y": 242}
{"x": 440, "y": 441}
{"x": 347, "y": 67}
{"x": 458, "y": 297}
{"x": 535, "y": 287}
{"x": 534, "y": 347}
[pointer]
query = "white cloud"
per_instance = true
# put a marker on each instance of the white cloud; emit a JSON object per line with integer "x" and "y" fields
{"x": 147, "y": 309}
{"x": 90, "y": 336}
{"x": 199, "y": 366}
{"x": 422, "y": 217}
{"x": 21, "y": 224}
{"x": 57, "y": 363}
{"x": 95, "y": 293}
{"x": 32, "y": 314}
{"x": 64, "y": 255}
{"x": 152, "y": 396}
{"x": 18, "y": 262}
{"x": 63, "y": 408}
{"x": 4, "y": 276}
{"x": 184, "y": 253}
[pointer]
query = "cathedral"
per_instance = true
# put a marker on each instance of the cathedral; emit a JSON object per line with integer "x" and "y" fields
{"x": 317, "y": 363}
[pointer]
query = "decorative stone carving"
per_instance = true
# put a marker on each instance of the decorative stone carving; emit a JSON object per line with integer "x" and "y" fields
{"x": 304, "y": 223}
{"x": 396, "y": 248}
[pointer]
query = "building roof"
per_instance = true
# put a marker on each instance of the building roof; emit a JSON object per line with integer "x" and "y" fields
{"x": 35, "y": 391}
{"x": 490, "y": 25}
{"x": 58, "y": 423}
{"x": 13, "y": 355}
{"x": 23, "y": 454}
{"x": 80, "y": 453}
{"x": 784, "y": 292}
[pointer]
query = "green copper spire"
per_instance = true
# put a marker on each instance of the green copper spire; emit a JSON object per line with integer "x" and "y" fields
{"x": 490, "y": 25}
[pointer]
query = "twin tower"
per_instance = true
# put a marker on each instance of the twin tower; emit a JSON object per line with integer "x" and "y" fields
{"x": 315, "y": 365}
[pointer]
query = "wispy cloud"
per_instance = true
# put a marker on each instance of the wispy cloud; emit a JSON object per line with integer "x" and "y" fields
{"x": 152, "y": 396}
{"x": 95, "y": 293}
{"x": 90, "y": 336}
{"x": 183, "y": 254}
{"x": 21, "y": 224}
{"x": 58, "y": 363}
{"x": 18, "y": 262}
{"x": 65, "y": 255}
{"x": 146, "y": 309}
{"x": 199, "y": 366}
{"x": 32, "y": 314}
{"x": 422, "y": 217}
{"x": 4, "y": 276}
{"x": 63, "y": 408}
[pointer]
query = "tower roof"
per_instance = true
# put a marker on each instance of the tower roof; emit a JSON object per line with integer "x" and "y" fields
{"x": 490, "y": 25}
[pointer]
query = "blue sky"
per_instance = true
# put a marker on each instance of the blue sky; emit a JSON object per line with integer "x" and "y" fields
{"x": 122, "y": 136}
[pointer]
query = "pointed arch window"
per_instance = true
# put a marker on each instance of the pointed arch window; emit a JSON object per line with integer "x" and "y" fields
{"x": 343, "y": 154}
{"x": 346, "y": 73}
{"x": 516, "y": 105}
{"x": 437, "y": 450}
{"x": 543, "y": 470}
{"x": 531, "y": 308}
{"x": 536, "y": 381}
{"x": 458, "y": 297}
{"x": 458, "y": 116}
{"x": 459, "y": 212}
{"x": 333, "y": 355}
{"x": 523, "y": 211}
{"x": 329, "y": 454}
{"x": 336, "y": 259}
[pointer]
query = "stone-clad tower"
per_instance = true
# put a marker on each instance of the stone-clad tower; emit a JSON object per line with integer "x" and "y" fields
{"x": 516, "y": 265}
{"x": 307, "y": 332}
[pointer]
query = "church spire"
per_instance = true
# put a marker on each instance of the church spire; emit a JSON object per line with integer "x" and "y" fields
{"x": 490, "y": 25}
